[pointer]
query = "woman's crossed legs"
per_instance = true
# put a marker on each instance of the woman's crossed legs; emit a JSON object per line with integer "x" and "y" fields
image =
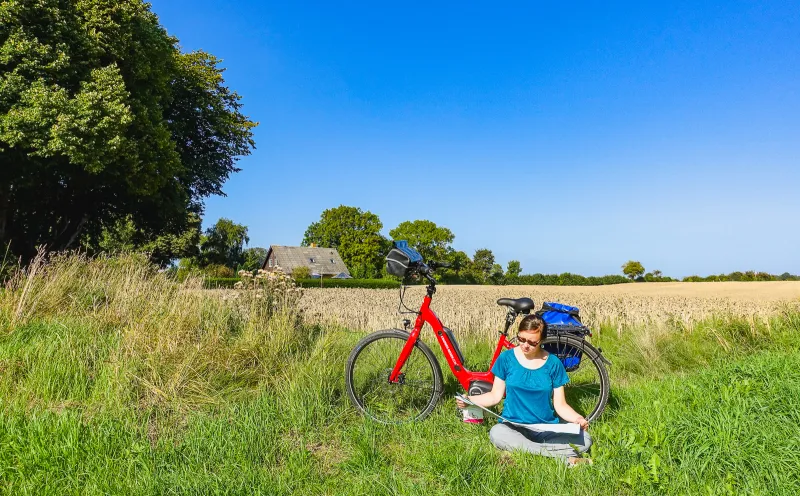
{"x": 553, "y": 444}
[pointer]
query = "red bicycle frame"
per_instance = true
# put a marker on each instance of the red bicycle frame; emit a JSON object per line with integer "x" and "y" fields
{"x": 464, "y": 376}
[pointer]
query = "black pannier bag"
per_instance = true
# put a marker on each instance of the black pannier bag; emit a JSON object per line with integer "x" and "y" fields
{"x": 402, "y": 259}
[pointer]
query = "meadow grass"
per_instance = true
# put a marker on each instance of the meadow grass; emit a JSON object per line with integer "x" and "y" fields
{"x": 116, "y": 380}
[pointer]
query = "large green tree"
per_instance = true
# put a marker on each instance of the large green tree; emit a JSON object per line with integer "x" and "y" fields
{"x": 633, "y": 269}
{"x": 496, "y": 275}
{"x": 123, "y": 236}
{"x": 459, "y": 261}
{"x": 254, "y": 258}
{"x": 223, "y": 244}
{"x": 431, "y": 241}
{"x": 483, "y": 265}
{"x": 104, "y": 120}
{"x": 356, "y": 236}
{"x": 513, "y": 270}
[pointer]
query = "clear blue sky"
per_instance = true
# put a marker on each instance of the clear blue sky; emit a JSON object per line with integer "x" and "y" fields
{"x": 571, "y": 138}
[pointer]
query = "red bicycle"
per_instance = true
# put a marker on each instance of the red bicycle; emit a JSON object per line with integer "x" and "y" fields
{"x": 393, "y": 377}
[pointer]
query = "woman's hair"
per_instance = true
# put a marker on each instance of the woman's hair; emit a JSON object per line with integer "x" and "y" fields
{"x": 533, "y": 323}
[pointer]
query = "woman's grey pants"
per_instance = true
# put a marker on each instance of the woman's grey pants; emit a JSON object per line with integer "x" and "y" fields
{"x": 554, "y": 444}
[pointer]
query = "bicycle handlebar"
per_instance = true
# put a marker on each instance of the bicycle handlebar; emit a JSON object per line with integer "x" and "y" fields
{"x": 438, "y": 265}
{"x": 426, "y": 271}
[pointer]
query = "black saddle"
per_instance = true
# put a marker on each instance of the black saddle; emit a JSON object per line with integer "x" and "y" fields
{"x": 520, "y": 305}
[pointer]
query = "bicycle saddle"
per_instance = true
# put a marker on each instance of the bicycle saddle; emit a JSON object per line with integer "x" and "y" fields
{"x": 520, "y": 305}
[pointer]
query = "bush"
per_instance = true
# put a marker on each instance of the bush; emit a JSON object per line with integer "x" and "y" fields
{"x": 301, "y": 272}
{"x": 349, "y": 283}
{"x": 217, "y": 270}
{"x": 220, "y": 282}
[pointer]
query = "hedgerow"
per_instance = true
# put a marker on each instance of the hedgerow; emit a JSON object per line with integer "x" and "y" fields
{"x": 349, "y": 283}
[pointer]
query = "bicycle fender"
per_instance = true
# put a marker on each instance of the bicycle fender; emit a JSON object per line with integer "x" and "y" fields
{"x": 599, "y": 353}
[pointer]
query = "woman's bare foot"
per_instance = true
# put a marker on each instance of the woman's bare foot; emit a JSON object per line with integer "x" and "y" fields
{"x": 577, "y": 461}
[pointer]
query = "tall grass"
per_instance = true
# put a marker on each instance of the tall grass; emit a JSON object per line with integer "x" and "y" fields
{"x": 114, "y": 332}
{"x": 115, "y": 379}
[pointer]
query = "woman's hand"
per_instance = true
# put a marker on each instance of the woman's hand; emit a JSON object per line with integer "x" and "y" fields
{"x": 565, "y": 411}
{"x": 461, "y": 404}
{"x": 582, "y": 422}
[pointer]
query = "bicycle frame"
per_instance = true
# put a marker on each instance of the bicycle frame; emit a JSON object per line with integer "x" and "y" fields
{"x": 464, "y": 376}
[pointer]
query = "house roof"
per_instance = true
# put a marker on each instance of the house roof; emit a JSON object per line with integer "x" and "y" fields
{"x": 324, "y": 261}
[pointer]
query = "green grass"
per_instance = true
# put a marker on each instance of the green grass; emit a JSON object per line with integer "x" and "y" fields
{"x": 116, "y": 381}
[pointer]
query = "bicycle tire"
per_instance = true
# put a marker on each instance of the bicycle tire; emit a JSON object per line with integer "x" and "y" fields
{"x": 564, "y": 344}
{"x": 357, "y": 397}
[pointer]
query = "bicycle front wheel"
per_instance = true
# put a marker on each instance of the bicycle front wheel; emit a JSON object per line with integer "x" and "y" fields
{"x": 418, "y": 386}
{"x": 588, "y": 388}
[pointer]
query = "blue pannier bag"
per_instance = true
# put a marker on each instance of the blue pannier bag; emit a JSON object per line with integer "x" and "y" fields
{"x": 559, "y": 316}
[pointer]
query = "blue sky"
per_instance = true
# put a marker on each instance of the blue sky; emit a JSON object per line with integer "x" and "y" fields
{"x": 571, "y": 138}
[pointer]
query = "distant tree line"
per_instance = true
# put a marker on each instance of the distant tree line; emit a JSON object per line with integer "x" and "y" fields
{"x": 356, "y": 234}
{"x": 743, "y": 276}
{"x": 221, "y": 252}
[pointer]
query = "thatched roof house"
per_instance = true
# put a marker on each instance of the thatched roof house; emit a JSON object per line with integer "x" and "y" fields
{"x": 322, "y": 262}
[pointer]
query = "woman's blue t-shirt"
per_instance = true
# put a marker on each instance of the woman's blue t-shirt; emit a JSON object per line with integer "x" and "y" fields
{"x": 529, "y": 393}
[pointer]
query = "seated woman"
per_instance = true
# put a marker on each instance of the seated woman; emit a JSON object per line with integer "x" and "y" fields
{"x": 529, "y": 377}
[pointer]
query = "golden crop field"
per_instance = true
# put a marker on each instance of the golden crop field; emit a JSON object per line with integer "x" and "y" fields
{"x": 473, "y": 309}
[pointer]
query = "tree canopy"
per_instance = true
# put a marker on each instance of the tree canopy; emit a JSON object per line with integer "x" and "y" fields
{"x": 223, "y": 244}
{"x": 254, "y": 258}
{"x": 356, "y": 236}
{"x": 103, "y": 120}
{"x": 632, "y": 269}
{"x": 123, "y": 236}
{"x": 483, "y": 265}
{"x": 513, "y": 270}
{"x": 431, "y": 241}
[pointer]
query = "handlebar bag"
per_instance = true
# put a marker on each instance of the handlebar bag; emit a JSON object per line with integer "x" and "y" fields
{"x": 401, "y": 259}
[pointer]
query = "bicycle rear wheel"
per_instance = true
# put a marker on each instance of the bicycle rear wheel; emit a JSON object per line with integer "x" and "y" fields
{"x": 416, "y": 391}
{"x": 588, "y": 388}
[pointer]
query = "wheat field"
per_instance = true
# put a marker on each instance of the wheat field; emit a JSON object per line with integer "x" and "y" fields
{"x": 473, "y": 309}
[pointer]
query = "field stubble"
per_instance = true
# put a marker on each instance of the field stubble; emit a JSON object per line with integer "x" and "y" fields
{"x": 472, "y": 310}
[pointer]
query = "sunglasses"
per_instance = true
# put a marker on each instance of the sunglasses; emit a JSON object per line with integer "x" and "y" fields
{"x": 528, "y": 341}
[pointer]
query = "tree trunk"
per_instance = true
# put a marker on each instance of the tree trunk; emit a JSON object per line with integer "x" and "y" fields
{"x": 76, "y": 233}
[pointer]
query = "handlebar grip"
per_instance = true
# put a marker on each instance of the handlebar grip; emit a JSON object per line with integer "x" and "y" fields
{"x": 439, "y": 265}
